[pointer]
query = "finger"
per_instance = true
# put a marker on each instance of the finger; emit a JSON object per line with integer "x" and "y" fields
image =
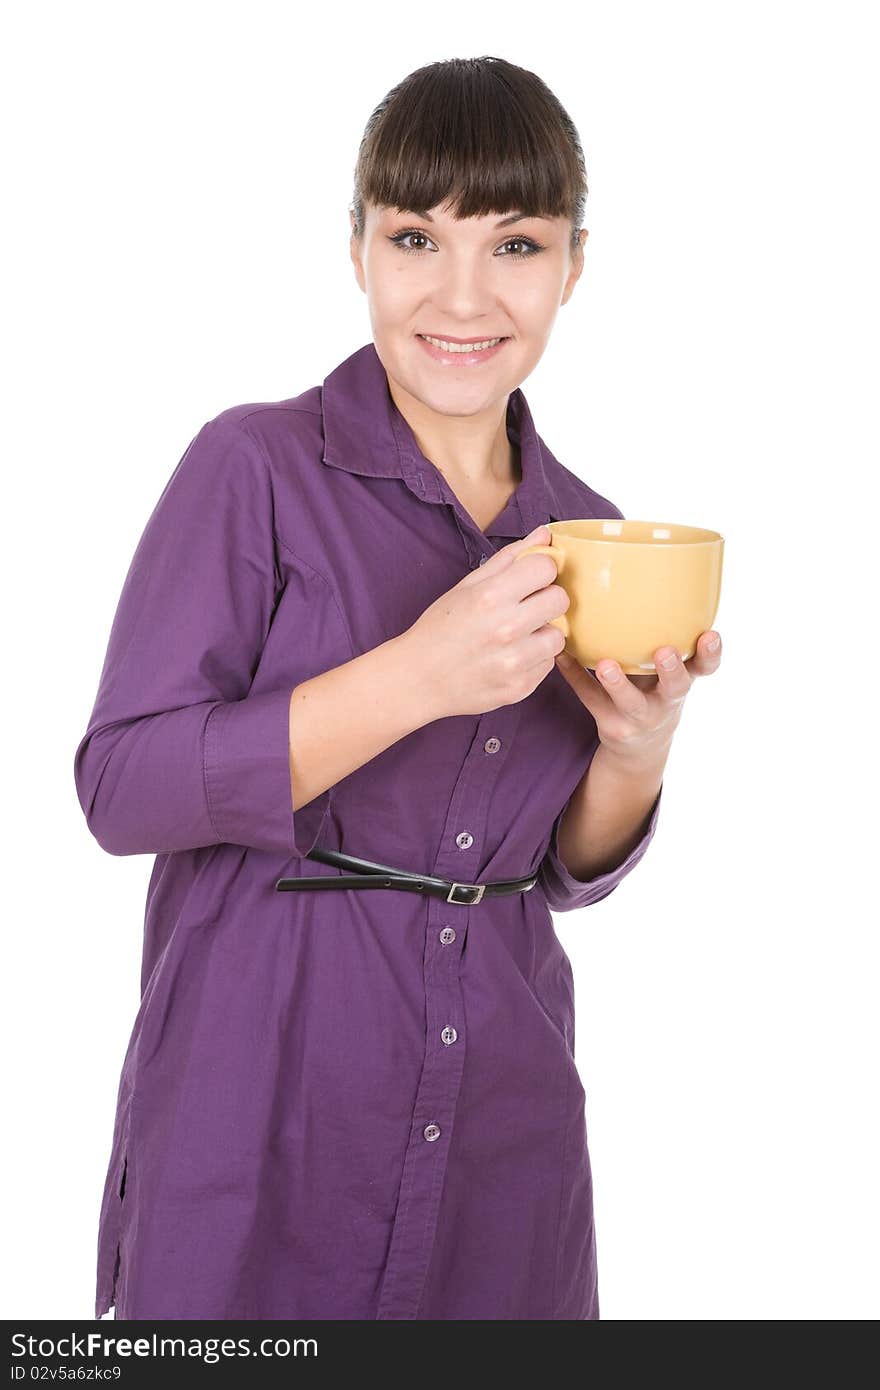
{"x": 535, "y": 610}
{"x": 527, "y": 574}
{"x": 505, "y": 557}
{"x": 584, "y": 685}
{"x": 626, "y": 696}
{"x": 704, "y": 660}
{"x": 541, "y": 535}
{"x": 523, "y": 573}
{"x": 541, "y": 646}
{"x": 673, "y": 679}
{"x": 616, "y": 693}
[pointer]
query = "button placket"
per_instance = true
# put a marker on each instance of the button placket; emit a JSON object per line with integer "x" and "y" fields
{"x": 433, "y": 1117}
{"x": 434, "y": 1111}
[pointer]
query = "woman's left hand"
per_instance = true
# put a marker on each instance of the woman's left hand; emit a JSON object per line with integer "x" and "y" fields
{"x": 636, "y": 716}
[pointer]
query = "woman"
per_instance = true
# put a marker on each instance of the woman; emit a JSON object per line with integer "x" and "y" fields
{"x": 364, "y": 1104}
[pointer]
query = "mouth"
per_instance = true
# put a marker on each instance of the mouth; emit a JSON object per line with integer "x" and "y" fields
{"x": 463, "y": 352}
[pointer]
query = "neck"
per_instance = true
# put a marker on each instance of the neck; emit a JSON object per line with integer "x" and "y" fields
{"x": 470, "y": 449}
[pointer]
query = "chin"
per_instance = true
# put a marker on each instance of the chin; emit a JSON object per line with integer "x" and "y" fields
{"x": 457, "y": 398}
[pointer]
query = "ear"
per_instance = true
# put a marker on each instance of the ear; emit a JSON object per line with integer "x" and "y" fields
{"x": 577, "y": 266}
{"x": 354, "y": 251}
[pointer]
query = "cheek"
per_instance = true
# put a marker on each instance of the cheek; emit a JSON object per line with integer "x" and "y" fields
{"x": 537, "y": 303}
{"x": 392, "y": 295}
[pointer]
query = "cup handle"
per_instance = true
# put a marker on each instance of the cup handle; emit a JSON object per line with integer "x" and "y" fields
{"x": 554, "y": 551}
{"x": 558, "y": 554}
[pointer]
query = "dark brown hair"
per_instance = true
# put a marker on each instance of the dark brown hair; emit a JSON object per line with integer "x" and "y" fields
{"x": 479, "y": 134}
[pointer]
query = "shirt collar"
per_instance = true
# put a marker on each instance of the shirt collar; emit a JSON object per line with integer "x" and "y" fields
{"x": 364, "y": 432}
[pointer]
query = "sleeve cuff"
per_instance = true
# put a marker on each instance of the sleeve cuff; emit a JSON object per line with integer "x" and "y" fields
{"x": 564, "y": 892}
{"x": 247, "y": 778}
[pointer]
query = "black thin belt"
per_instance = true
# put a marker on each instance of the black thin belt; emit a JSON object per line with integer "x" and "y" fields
{"x": 372, "y": 875}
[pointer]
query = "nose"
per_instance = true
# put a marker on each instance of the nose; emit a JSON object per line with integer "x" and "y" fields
{"x": 463, "y": 293}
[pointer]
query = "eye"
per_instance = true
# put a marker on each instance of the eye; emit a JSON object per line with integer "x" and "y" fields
{"x": 532, "y": 247}
{"x": 399, "y": 237}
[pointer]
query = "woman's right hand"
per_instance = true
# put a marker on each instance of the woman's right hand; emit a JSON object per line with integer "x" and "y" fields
{"x": 487, "y": 641}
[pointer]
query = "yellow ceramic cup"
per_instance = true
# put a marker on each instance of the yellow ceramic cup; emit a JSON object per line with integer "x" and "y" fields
{"x": 634, "y": 586}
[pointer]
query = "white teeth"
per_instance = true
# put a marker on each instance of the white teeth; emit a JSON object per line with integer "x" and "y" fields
{"x": 460, "y": 347}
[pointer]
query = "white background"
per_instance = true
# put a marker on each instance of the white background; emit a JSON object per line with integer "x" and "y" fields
{"x": 176, "y": 243}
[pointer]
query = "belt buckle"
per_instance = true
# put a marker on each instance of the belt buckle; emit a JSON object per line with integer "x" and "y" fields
{"x": 479, "y": 888}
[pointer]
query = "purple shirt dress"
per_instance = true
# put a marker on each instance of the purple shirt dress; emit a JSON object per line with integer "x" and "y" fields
{"x": 349, "y": 1104}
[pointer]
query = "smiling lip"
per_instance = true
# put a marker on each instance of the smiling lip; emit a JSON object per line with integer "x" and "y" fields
{"x": 448, "y": 338}
{"x": 448, "y": 358}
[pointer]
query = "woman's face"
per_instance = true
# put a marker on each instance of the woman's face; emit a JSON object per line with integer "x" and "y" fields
{"x": 460, "y": 280}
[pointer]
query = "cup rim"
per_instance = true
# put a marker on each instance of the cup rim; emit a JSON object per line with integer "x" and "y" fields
{"x": 701, "y": 535}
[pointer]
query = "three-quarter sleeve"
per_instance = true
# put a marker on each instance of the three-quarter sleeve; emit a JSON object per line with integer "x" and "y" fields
{"x": 178, "y": 753}
{"x": 564, "y": 892}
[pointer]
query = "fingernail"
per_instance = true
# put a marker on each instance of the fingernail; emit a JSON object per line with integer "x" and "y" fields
{"x": 667, "y": 662}
{"x": 610, "y": 673}
{"x": 713, "y": 644}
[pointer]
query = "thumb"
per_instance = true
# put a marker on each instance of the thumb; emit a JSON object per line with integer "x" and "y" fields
{"x": 508, "y": 553}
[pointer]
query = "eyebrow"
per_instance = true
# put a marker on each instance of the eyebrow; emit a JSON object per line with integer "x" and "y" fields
{"x": 505, "y": 221}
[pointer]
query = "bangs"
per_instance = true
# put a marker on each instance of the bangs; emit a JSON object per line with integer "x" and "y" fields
{"x": 478, "y": 136}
